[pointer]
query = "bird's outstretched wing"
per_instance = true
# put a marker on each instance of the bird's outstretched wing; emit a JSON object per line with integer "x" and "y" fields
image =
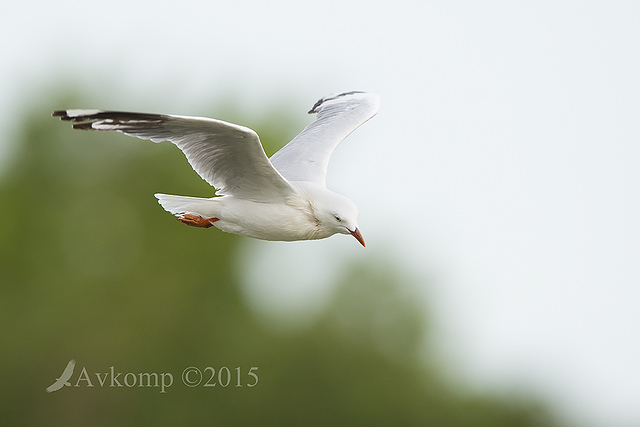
{"x": 307, "y": 156}
{"x": 229, "y": 157}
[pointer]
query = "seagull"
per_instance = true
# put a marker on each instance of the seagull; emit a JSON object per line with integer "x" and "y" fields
{"x": 282, "y": 198}
{"x": 64, "y": 378}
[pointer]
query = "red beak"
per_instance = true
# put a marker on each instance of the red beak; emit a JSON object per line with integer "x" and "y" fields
{"x": 356, "y": 233}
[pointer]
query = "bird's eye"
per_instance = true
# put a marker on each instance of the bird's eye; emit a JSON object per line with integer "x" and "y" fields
{"x": 337, "y": 218}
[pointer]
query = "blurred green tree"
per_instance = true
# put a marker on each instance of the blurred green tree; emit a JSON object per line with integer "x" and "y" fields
{"x": 92, "y": 269}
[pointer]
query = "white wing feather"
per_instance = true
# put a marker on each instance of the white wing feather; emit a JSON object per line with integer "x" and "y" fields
{"x": 229, "y": 157}
{"x": 307, "y": 156}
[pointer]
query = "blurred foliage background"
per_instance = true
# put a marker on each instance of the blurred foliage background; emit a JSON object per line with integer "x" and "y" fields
{"x": 93, "y": 269}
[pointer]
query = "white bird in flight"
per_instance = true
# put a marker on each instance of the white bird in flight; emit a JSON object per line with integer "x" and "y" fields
{"x": 279, "y": 198}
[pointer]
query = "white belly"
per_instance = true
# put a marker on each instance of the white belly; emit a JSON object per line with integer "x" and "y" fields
{"x": 267, "y": 221}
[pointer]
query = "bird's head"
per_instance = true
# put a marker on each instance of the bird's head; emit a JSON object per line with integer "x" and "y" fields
{"x": 339, "y": 214}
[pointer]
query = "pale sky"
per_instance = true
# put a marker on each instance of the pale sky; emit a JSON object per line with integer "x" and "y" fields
{"x": 503, "y": 163}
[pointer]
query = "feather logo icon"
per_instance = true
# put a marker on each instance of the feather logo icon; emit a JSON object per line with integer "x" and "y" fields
{"x": 64, "y": 378}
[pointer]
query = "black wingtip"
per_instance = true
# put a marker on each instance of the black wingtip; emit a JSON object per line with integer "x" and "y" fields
{"x": 315, "y": 107}
{"x": 60, "y": 113}
{"x": 63, "y": 114}
{"x": 83, "y": 126}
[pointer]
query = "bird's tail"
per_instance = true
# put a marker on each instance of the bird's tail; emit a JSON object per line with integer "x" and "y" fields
{"x": 179, "y": 205}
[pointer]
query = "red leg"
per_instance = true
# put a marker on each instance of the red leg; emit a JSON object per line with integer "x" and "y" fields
{"x": 197, "y": 220}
